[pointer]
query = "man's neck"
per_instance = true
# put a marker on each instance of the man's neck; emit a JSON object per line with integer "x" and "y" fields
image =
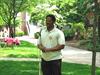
{"x": 49, "y": 29}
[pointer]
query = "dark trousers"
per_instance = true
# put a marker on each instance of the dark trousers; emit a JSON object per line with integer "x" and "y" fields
{"x": 51, "y": 67}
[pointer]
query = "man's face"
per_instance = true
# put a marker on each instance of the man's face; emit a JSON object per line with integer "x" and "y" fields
{"x": 49, "y": 22}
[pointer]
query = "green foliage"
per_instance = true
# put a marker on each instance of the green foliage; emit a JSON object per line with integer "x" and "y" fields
{"x": 19, "y": 32}
{"x": 84, "y": 6}
{"x": 79, "y": 26}
{"x": 88, "y": 45}
{"x": 66, "y": 11}
{"x": 2, "y": 44}
{"x": 61, "y": 9}
{"x": 73, "y": 28}
{"x": 9, "y": 10}
{"x": 74, "y": 18}
{"x": 69, "y": 31}
{"x": 41, "y": 11}
{"x": 1, "y": 21}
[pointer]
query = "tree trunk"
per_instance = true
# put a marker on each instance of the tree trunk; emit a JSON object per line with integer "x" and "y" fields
{"x": 99, "y": 28}
{"x": 93, "y": 69}
{"x": 14, "y": 17}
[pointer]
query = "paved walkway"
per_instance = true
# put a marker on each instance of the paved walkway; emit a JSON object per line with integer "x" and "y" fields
{"x": 70, "y": 54}
{"x": 75, "y": 55}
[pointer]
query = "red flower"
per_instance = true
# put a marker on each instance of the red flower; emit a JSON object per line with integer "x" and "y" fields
{"x": 12, "y": 41}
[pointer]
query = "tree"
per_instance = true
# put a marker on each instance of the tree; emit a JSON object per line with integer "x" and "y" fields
{"x": 83, "y": 8}
{"x": 61, "y": 8}
{"x": 93, "y": 69}
{"x": 9, "y": 10}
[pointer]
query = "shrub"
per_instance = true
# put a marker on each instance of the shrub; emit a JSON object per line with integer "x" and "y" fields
{"x": 2, "y": 44}
{"x": 19, "y": 33}
{"x": 68, "y": 31}
{"x": 12, "y": 41}
{"x": 88, "y": 44}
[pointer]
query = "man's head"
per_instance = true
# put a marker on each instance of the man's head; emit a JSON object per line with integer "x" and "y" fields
{"x": 50, "y": 20}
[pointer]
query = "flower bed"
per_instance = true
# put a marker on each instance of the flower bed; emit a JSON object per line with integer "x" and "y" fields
{"x": 11, "y": 41}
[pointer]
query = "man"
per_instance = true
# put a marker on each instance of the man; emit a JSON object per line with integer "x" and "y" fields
{"x": 51, "y": 42}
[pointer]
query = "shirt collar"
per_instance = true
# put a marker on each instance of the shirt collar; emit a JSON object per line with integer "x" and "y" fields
{"x": 52, "y": 29}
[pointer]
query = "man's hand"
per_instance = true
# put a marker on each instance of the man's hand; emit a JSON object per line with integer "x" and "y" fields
{"x": 42, "y": 48}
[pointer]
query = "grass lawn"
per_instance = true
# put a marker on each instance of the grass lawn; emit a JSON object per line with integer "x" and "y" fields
{"x": 25, "y": 50}
{"x": 28, "y": 50}
{"x": 31, "y": 68}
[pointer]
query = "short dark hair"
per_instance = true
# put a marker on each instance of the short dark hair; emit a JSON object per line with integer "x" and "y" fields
{"x": 52, "y": 16}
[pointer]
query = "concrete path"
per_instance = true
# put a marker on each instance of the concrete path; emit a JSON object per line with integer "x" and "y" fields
{"x": 75, "y": 55}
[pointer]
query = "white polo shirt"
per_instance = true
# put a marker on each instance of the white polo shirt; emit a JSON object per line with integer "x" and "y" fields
{"x": 51, "y": 39}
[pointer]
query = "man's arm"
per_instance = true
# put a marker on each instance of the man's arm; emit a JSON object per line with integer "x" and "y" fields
{"x": 56, "y": 48}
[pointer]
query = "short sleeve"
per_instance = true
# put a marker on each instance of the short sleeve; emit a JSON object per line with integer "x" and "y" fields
{"x": 61, "y": 38}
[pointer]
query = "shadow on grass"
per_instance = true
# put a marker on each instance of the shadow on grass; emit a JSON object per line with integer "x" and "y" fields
{"x": 24, "y": 56}
{"x": 32, "y": 68}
